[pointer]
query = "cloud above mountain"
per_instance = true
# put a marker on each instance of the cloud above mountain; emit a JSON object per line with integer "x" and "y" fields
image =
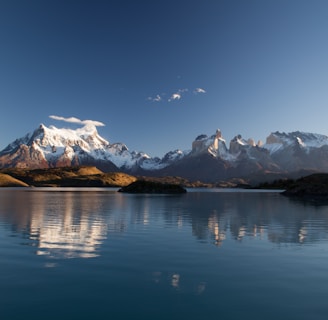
{"x": 78, "y": 121}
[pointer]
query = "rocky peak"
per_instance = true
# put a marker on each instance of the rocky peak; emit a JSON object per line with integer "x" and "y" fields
{"x": 236, "y": 144}
{"x": 274, "y": 138}
{"x": 214, "y": 145}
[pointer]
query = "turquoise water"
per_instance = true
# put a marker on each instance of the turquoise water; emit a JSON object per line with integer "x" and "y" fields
{"x": 99, "y": 254}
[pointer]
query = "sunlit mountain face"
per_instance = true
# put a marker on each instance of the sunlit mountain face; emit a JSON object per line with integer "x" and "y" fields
{"x": 210, "y": 158}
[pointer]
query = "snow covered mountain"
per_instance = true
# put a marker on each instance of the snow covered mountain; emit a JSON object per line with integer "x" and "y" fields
{"x": 298, "y": 150}
{"x": 210, "y": 159}
{"x": 53, "y": 147}
{"x": 282, "y": 152}
{"x": 283, "y": 155}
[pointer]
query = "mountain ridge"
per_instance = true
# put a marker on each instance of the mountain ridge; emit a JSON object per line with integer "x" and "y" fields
{"x": 208, "y": 160}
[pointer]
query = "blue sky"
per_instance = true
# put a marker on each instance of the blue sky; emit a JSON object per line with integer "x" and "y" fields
{"x": 159, "y": 73}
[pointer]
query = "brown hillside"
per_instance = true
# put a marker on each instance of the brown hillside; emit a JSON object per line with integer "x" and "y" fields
{"x": 8, "y": 181}
{"x": 88, "y": 171}
{"x": 70, "y": 177}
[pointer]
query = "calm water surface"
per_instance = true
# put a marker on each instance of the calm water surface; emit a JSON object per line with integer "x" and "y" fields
{"x": 99, "y": 254}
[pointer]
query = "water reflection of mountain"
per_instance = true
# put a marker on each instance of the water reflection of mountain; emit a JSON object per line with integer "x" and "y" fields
{"x": 61, "y": 224}
{"x": 75, "y": 224}
{"x": 216, "y": 216}
{"x": 240, "y": 215}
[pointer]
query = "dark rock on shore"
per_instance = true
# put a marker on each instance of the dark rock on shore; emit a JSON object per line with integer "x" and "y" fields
{"x": 313, "y": 186}
{"x": 143, "y": 186}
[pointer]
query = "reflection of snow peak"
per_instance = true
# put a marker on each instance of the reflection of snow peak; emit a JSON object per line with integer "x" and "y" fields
{"x": 65, "y": 237}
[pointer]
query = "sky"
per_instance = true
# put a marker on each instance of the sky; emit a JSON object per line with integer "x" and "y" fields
{"x": 155, "y": 74}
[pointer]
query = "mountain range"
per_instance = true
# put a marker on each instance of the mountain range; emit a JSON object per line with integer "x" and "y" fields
{"x": 210, "y": 159}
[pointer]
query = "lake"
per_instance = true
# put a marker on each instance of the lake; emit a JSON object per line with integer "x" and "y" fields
{"x": 208, "y": 254}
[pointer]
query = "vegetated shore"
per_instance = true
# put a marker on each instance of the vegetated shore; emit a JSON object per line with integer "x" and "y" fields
{"x": 313, "y": 185}
{"x": 82, "y": 176}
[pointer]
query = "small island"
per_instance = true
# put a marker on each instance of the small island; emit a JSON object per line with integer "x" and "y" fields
{"x": 314, "y": 186}
{"x": 143, "y": 186}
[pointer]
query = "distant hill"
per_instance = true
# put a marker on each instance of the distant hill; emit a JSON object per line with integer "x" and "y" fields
{"x": 67, "y": 177}
{"x": 82, "y": 176}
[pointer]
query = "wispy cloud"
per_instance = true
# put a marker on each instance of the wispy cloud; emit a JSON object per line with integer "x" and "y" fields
{"x": 178, "y": 95}
{"x": 158, "y": 98}
{"x": 175, "y": 96}
{"x": 199, "y": 90}
{"x": 78, "y": 121}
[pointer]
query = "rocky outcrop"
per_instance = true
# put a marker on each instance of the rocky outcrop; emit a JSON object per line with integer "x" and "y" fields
{"x": 24, "y": 157}
{"x": 238, "y": 144}
{"x": 314, "y": 186}
{"x": 274, "y": 138}
{"x": 214, "y": 145}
